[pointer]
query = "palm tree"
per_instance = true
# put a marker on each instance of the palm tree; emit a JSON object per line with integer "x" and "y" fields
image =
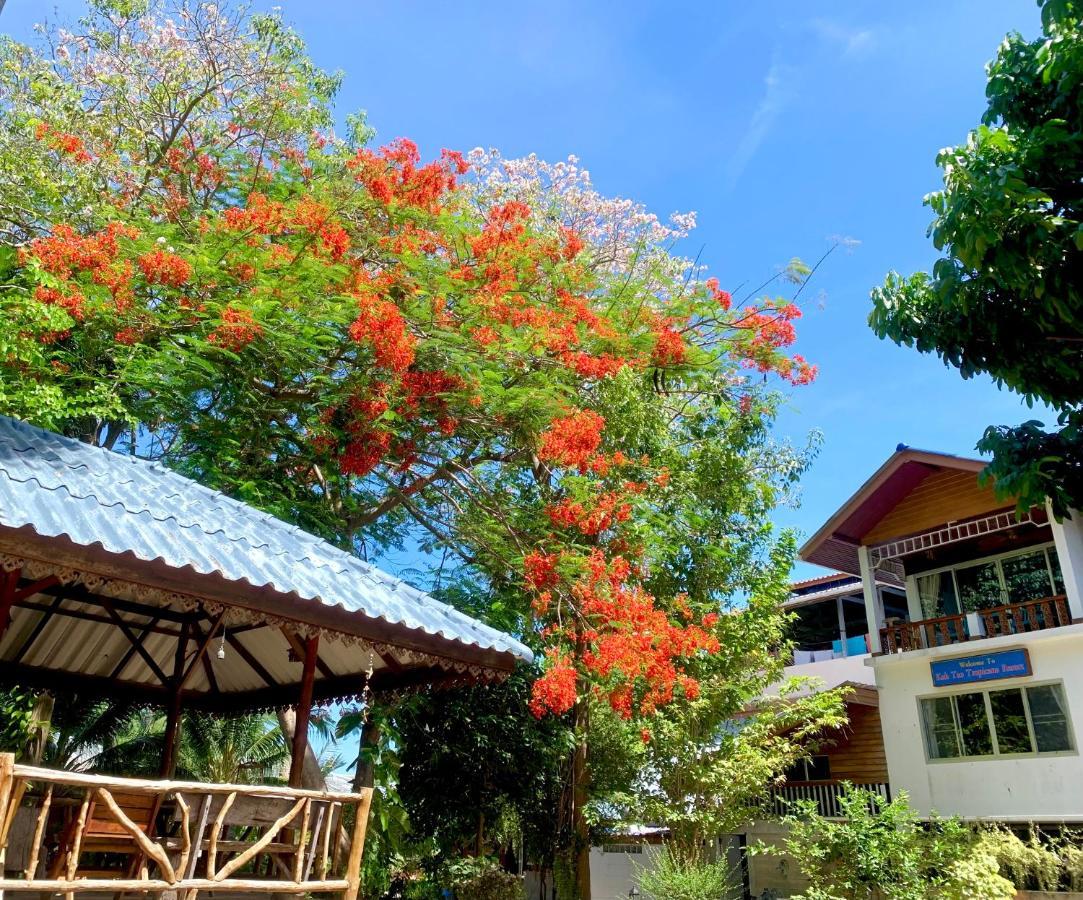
{"x": 246, "y": 749}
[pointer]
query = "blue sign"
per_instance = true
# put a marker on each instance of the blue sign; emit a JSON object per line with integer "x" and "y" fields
{"x": 987, "y": 667}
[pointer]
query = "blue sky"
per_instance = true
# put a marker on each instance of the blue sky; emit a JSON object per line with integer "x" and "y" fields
{"x": 781, "y": 123}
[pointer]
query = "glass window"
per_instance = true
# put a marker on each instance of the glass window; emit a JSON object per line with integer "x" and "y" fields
{"x": 941, "y": 734}
{"x": 1024, "y": 720}
{"x": 1048, "y": 712}
{"x": 1027, "y": 577}
{"x": 1054, "y": 567}
{"x": 979, "y": 586}
{"x": 1010, "y": 721}
{"x": 974, "y": 724}
{"x": 819, "y": 768}
{"x": 937, "y": 593}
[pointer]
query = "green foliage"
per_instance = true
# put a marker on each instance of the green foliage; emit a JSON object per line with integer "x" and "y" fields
{"x": 1039, "y": 861}
{"x": 705, "y": 762}
{"x": 881, "y": 849}
{"x": 476, "y": 759}
{"x": 481, "y": 878}
{"x": 16, "y": 719}
{"x": 1005, "y": 299}
{"x": 674, "y": 877}
{"x": 246, "y": 749}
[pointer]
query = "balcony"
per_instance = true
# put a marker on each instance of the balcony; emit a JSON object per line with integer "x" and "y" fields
{"x": 825, "y": 794}
{"x": 997, "y": 621}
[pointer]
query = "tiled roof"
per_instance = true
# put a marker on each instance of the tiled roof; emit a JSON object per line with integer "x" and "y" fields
{"x": 62, "y": 487}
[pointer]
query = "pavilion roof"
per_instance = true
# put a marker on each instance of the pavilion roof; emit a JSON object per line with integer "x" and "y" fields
{"x": 134, "y": 522}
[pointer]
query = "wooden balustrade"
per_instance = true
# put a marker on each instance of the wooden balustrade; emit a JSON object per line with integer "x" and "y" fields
{"x": 1030, "y": 615}
{"x": 177, "y": 837}
{"x": 1012, "y": 618}
{"x": 825, "y": 794}
{"x": 903, "y": 636}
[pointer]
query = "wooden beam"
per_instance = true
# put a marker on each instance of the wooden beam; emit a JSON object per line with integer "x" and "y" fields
{"x": 204, "y": 643}
{"x": 263, "y": 600}
{"x": 327, "y": 689}
{"x": 254, "y": 664}
{"x": 173, "y": 717}
{"x": 61, "y": 681}
{"x": 298, "y": 648}
{"x": 38, "y": 628}
{"x": 304, "y": 710}
{"x": 205, "y": 658}
{"x": 8, "y": 583}
{"x": 130, "y": 652}
{"x": 149, "y": 610}
{"x": 151, "y": 662}
{"x": 86, "y": 616}
{"x": 36, "y": 587}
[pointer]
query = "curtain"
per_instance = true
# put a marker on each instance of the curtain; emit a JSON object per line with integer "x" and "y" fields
{"x": 929, "y": 592}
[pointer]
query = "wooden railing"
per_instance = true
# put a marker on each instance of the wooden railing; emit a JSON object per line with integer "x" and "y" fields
{"x": 825, "y": 794}
{"x": 1031, "y": 615}
{"x": 1012, "y": 618}
{"x": 903, "y": 636}
{"x": 62, "y": 830}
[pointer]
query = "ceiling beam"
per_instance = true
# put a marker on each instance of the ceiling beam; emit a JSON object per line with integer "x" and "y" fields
{"x": 136, "y": 642}
{"x": 254, "y": 664}
{"x": 39, "y": 627}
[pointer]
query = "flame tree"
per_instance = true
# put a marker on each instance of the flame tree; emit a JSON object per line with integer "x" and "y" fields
{"x": 484, "y": 352}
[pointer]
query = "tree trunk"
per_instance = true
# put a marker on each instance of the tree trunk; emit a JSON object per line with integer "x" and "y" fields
{"x": 39, "y": 735}
{"x": 580, "y": 795}
{"x": 364, "y": 775}
{"x": 311, "y": 774}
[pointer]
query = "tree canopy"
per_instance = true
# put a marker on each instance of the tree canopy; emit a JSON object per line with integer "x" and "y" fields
{"x": 1005, "y": 298}
{"x": 483, "y": 355}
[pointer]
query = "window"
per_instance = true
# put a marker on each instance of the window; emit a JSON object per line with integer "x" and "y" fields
{"x": 816, "y": 768}
{"x": 1015, "y": 578}
{"x": 1000, "y": 722}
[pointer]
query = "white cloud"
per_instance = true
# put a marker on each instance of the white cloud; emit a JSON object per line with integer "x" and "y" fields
{"x": 778, "y": 92}
{"x": 855, "y": 41}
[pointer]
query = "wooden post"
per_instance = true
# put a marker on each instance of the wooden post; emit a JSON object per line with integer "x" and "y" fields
{"x": 304, "y": 711}
{"x": 7, "y": 774}
{"x": 172, "y": 737}
{"x": 173, "y": 716}
{"x": 9, "y": 583}
{"x": 357, "y": 848}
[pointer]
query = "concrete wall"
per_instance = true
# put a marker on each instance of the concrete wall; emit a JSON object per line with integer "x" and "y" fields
{"x": 613, "y": 875}
{"x": 771, "y": 875}
{"x": 1042, "y": 788}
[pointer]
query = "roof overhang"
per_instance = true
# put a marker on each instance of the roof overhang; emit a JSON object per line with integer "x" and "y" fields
{"x": 154, "y": 601}
{"x": 835, "y": 544}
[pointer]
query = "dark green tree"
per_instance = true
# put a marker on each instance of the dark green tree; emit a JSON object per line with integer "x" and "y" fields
{"x": 479, "y": 771}
{"x": 1006, "y": 297}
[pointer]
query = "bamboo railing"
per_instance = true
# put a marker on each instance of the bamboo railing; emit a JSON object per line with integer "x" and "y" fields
{"x": 223, "y": 837}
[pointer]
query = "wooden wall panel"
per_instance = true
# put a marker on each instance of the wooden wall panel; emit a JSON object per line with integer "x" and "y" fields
{"x": 857, "y": 754}
{"x": 945, "y": 496}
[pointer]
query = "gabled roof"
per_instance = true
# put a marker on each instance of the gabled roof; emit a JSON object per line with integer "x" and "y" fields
{"x": 113, "y": 509}
{"x": 835, "y": 544}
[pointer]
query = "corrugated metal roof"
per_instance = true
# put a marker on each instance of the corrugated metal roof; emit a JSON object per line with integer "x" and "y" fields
{"x": 62, "y": 487}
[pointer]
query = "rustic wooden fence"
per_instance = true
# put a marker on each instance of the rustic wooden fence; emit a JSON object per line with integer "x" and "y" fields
{"x": 69, "y": 833}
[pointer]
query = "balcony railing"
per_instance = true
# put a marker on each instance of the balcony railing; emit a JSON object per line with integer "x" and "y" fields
{"x": 66, "y": 832}
{"x": 997, "y": 621}
{"x": 825, "y": 794}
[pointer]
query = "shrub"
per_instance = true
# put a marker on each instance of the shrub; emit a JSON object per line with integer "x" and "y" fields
{"x": 482, "y": 879}
{"x": 674, "y": 878}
